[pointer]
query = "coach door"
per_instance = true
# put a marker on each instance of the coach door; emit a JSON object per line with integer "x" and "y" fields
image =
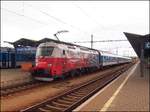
{"x": 65, "y": 61}
{"x": 100, "y": 60}
{"x": 13, "y": 60}
{"x": 4, "y": 60}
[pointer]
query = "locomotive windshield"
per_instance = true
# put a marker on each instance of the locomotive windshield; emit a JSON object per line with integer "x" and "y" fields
{"x": 44, "y": 51}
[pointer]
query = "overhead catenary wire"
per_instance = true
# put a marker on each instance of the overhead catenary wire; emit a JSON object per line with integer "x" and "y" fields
{"x": 86, "y": 14}
{"x": 57, "y": 19}
{"x": 22, "y": 15}
{"x": 99, "y": 41}
{"x": 45, "y": 13}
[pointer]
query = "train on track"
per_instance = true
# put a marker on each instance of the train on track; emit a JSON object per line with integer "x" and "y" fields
{"x": 9, "y": 58}
{"x": 58, "y": 59}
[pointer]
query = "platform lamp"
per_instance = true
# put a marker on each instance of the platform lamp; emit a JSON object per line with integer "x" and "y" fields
{"x": 62, "y": 31}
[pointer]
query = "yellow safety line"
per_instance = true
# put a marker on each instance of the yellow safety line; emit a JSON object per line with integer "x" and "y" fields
{"x": 108, "y": 103}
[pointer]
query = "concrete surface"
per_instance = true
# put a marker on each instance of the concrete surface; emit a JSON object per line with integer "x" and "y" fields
{"x": 129, "y": 92}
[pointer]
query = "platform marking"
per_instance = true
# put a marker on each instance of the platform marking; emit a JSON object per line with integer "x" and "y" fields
{"x": 108, "y": 103}
{"x": 94, "y": 96}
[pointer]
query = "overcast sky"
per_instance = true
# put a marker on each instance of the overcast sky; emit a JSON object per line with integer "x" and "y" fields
{"x": 105, "y": 20}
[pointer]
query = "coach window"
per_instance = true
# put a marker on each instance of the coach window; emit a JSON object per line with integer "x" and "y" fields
{"x": 63, "y": 52}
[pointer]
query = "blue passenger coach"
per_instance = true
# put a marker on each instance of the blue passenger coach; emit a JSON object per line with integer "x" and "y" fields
{"x": 11, "y": 58}
{"x": 112, "y": 59}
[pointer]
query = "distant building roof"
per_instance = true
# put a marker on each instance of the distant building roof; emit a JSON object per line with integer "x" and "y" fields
{"x": 24, "y": 42}
{"x": 28, "y": 42}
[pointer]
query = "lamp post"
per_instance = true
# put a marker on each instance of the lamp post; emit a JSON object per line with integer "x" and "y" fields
{"x": 142, "y": 60}
{"x": 91, "y": 41}
{"x": 62, "y": 31}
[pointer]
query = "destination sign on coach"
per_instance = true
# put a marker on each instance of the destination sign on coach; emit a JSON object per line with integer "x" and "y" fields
{"x": 147, "y": 45}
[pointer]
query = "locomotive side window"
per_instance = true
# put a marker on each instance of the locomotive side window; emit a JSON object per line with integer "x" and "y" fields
{"x": 45, "y": 51}
{"x": 63, "y": 52}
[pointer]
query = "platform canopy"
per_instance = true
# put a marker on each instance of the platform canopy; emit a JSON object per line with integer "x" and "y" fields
{"x": 23, "y": 42}
{"x": 139, "y": 42}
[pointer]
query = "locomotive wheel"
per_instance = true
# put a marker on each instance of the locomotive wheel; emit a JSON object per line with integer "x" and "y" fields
{"x": 63, "y": 77}
{"x": 73, "y": 73}
{"x": 79, "y": 72}
{"x": 86, "y": 70}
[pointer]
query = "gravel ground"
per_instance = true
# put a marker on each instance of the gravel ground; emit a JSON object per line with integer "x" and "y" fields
{"x": 12, "y": 77}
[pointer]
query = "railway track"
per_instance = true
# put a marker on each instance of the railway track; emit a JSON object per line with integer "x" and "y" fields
{"x": 69, "y": 100}
{"x": 18, "y": 88}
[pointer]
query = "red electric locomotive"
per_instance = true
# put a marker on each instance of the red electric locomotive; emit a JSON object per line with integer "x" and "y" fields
{"x": 55, "y": 60}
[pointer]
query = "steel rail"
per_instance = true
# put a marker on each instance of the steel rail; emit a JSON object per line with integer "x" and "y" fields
{"x": 14, "y": 89}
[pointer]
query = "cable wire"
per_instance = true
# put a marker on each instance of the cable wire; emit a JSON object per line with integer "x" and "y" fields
{"x": 22, "y": 15}
{"x": 55, "y": 18}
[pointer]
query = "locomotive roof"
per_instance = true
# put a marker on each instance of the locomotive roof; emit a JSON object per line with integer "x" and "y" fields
{"x": 70, "y": 44}
{"x": 104, "y": 53}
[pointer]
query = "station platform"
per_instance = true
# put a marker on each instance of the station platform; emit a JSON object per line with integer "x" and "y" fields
{"x": 129, "y": 92}
{"x": 12, "y": 77}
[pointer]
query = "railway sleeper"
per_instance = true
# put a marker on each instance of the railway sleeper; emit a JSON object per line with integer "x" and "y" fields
{"x": 68, "y": 99}
{"x": 89, "y": 88}
{"x": 10, "y": 90}
{"x": 54, "y": 108}
{"x": 19, "y": 87}
{"x": 64, "y": 101}
{"x": 60, "y": 104}
{"x": 84, "y": 91}
{"x": 76, "y": 95}
{"x": 80, "y": 93}
{"x": 44, "y": 110}
{"x": 72, "y": 97}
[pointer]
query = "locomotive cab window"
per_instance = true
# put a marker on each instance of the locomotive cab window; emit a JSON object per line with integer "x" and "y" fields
{"x": 44, "y": 51}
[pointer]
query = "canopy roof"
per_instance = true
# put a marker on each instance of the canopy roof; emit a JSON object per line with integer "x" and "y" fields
{"x": 138, "y": 42}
